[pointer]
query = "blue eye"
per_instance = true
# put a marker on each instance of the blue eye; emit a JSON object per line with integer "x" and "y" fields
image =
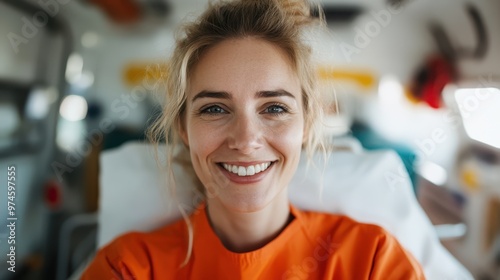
{"x": 213, "y": 110}
{"x": 276, "y": 109}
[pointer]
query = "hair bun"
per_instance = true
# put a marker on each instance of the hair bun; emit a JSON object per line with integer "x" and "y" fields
{"x": 299, "y": 10}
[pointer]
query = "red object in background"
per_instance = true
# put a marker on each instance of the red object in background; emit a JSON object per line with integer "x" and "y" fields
{"x": 120, "y": 11}
{"x": 53, "y": 194}
{"x": 441, "y": 75}
{"x": 432, "y": 79}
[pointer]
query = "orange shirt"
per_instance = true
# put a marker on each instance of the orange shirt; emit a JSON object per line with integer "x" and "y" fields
{"x": 313, "y": 246}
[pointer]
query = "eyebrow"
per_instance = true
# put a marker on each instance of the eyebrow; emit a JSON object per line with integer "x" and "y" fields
{"x": 211, "y": 94}
{"x": 226, "y": 95}
{"x": 274, "y": 93}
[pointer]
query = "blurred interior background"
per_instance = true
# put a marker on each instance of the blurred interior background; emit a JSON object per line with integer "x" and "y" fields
{"x": 78, "y": 77}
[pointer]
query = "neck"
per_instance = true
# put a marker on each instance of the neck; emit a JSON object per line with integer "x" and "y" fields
{"x": 244, "y": 232}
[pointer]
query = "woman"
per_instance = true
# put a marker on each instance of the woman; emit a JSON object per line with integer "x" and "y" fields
{"x": 243, "y": 99}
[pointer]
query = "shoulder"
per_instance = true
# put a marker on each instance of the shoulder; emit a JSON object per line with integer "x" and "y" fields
{"x": 362, "y": 244}
{"x": 340, "y": 225}
{"x": 140, "y": 253}
{"x": 163, "y": 239}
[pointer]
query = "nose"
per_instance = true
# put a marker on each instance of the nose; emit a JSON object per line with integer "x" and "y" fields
{"x": 245, "y": 134}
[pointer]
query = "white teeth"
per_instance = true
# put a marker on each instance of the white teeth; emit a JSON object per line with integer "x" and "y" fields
{"x": 242, "y": 171}
{"x": 250, "y": 170}
{"x": 246, "y": 171}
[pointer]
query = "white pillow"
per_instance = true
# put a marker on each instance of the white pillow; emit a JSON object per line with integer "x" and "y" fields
{"x": 371, "y": 187}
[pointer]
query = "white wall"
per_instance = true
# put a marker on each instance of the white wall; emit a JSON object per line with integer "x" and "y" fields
{"x": 17, "y": 65}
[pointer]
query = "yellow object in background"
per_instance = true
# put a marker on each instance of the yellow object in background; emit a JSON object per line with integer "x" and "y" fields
{"x": 136, "y": 73}
{"x": 470, "y": 180}
{"x": 410, "y": 96}
{"x": 364, "y": 79}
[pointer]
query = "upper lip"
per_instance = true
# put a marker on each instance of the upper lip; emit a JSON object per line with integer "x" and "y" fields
{"x": 246, "y": 163}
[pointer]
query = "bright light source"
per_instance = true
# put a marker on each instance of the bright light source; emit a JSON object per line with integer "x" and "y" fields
{"x": 73, "y": 108}
{"x": 39, "y": 101}
{"x": 69, "y": 134}
{"x": 75, "y": 75}
{"x": 433, "y": 173}
{"x": 390, "y": 91}
{"x": 480, "y": 111}
{"x": 74, "y": 68}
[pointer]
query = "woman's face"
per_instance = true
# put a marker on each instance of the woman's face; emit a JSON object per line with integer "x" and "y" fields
{"x": 244, "y": 123}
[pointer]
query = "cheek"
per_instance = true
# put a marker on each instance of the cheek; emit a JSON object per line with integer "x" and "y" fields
{"x": 203, "y": 139}
{"x": 288, "y": 138}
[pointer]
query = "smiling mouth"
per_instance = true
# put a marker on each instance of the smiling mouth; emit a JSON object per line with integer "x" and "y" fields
{"x": 250, "y": 170}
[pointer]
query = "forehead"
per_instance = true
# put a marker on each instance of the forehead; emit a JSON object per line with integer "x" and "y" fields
{"x": 243, "y": 65}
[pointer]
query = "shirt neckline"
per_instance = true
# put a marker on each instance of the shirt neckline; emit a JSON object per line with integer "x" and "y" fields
{"x": 205, "y": 237}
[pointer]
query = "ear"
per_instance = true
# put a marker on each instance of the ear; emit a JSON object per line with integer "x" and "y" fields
{"x": 305, "y": 133}
{"x": 181, "y": 129}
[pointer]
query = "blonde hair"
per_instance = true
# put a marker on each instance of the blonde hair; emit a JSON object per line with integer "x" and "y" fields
{"x": 281, "y": 23}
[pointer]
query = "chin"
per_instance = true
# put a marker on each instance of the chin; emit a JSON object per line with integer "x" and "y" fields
{"x": 248, "y": 200}
{"x": 244, "y": 204}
